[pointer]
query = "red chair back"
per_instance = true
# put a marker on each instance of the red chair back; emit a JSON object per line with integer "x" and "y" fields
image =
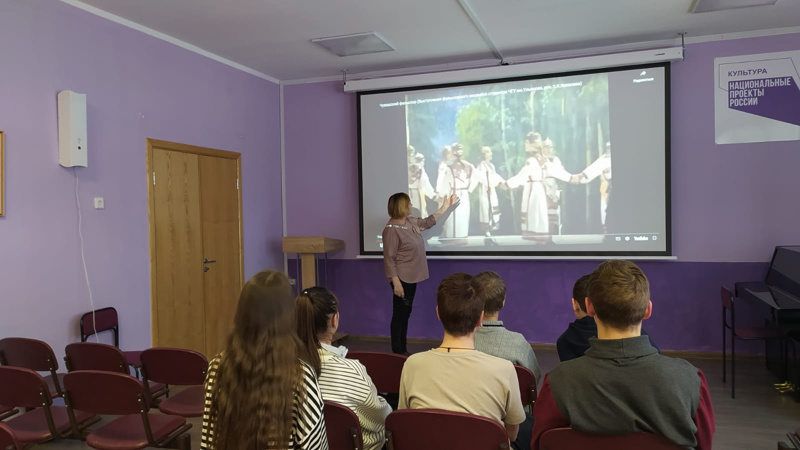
{"x": 104, "y": 319}
{"x": 727, "y": 297}
{"x": 568, "y": 439}
{"x": 101, "y": 392}
{"x": 527, "y": 385}
{"x": 174, "y": 366}
{"x": 384, "y": 369}
{"x": 23, "y": 388}
{"x": 7, "y": 439}
{"x": 28, "y": 353}
{"x": 432, "y": 429}
{"x": 92, "y": 356}
{"x": 343, "y": 428}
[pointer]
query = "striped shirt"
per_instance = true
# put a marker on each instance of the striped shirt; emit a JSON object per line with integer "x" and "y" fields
{"x": 345, "y": 381}
{"x": 308, "y": 424}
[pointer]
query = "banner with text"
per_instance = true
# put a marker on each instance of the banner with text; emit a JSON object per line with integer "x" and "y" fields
{"x": 757, "y": 98}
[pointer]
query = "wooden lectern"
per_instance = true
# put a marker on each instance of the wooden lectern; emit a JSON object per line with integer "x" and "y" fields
{"x": 309, "y": 249}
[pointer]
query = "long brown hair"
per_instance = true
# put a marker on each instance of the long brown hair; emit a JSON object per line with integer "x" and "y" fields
{"x": 314, "y": 308}
{"x": 259, "y": 370}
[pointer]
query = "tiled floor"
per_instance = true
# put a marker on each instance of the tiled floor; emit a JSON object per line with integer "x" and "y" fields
{"x": 757, "y": 419}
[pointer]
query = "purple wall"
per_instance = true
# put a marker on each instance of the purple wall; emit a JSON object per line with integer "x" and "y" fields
{"x": 686, "y": 305}
{"x": 731, "y": 205}
{"x": 137, "y": 87}
{"x": 321, "y": 144}
{"x": 730, "y": 202}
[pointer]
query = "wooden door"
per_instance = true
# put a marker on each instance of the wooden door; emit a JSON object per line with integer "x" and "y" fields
{"x": 179, "y": 243}
{"x": 221, "y": 243}
{"x": 196, "y": 239}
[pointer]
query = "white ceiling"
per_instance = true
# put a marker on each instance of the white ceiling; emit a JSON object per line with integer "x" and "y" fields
{"x": 273, "y": 37}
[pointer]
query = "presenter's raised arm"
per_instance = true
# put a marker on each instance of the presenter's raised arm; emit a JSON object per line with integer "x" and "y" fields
{"x": 447, "y": 202}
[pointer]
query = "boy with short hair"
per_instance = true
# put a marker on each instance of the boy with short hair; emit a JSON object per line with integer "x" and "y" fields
{"x": 622, "y": 384}
{"x": 492, "y": 337}
{"x": 456, "y": 377}
{"x": 574, "y": 342}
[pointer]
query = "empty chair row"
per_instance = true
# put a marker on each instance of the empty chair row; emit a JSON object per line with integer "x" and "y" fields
{"x": 160, "y": 368}
{"x": 87, "y": 394}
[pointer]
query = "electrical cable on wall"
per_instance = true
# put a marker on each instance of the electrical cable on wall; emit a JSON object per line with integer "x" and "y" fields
{"x": 83, "y": 253}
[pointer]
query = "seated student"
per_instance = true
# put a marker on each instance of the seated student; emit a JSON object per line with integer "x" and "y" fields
{"x": 344, "y": 381}
{"x": 622, "y": 384}
{"x": 258, "y": 392}
{"x": 492, "y": 337}
{"x": 574, "y": 342}
{"x": 456, "y": 377}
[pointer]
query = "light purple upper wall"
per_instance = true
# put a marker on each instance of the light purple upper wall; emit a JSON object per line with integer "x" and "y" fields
{"x": 321, "y": 143}
{"x": 137, "y": 87}
{"x": 729, "y": 202}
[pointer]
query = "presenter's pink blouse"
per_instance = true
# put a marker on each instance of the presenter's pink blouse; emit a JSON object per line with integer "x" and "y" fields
{"x": 404, "y": 249}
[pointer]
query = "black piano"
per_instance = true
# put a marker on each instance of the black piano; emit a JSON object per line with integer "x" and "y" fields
{"x": 781, "y": 292}
{"x": 781, "y": 289}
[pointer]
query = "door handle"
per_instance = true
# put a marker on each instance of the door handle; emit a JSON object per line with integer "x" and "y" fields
{"x": 206, "y": 261}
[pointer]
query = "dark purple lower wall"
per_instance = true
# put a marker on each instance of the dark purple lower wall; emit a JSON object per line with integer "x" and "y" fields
{"x": 686, "y": 300}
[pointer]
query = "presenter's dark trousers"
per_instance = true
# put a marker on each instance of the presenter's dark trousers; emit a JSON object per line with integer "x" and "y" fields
{"x": 401, "y": 311}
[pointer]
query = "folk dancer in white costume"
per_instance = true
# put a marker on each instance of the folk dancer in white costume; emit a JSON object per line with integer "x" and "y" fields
{"x": 600, "y": 167}
{"x": 534, "y": 198}
{"x": 554, "y": 170}
{"x": 411, "y": 152}
{"x": 459, "y": 178}
{"x": 489, "y": 180}
{"x": 419, "y": 185}
{"x": 447, "y": 158}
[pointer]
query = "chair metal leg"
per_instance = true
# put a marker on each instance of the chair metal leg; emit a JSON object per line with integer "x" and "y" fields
{"x": 785, "y": 345}
{"x": 733, "y": 366}
{"x": 724, "y": 363}
{"x": 389, "y": 441}
{"x": 185, "y": 442}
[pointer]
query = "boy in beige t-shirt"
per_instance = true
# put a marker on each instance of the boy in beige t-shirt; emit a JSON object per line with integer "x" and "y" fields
{"x": 456, "y": 377}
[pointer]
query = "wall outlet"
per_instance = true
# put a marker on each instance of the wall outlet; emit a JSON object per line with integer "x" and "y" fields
{"x": 99, "y": 203}
{"x": 292, "y": 281}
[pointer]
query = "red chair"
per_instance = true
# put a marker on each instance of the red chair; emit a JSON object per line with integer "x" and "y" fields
{"x": 122, "y": 395}
{"x": 106, "y": 319}
{"x": 433, "y": 429}
{"x": 6, "y": 412}
{"x": 25, "y": 388}
{"x": 527, "y": 385}
{"x": 342, "y": 427}
{"x": 743, "y": 333}
{"x": 569, "y": 439}
{"x": 103, "y": 357}
{"x": 384, "y": 369}
{"x": 34, "y": 355}
{"x": 8, "y": 441}
{"x": 177, "y": 367}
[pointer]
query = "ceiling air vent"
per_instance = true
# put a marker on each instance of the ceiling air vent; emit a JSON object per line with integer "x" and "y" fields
{"x": 701, "y": 6}
{"x": 354, "y": 44}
